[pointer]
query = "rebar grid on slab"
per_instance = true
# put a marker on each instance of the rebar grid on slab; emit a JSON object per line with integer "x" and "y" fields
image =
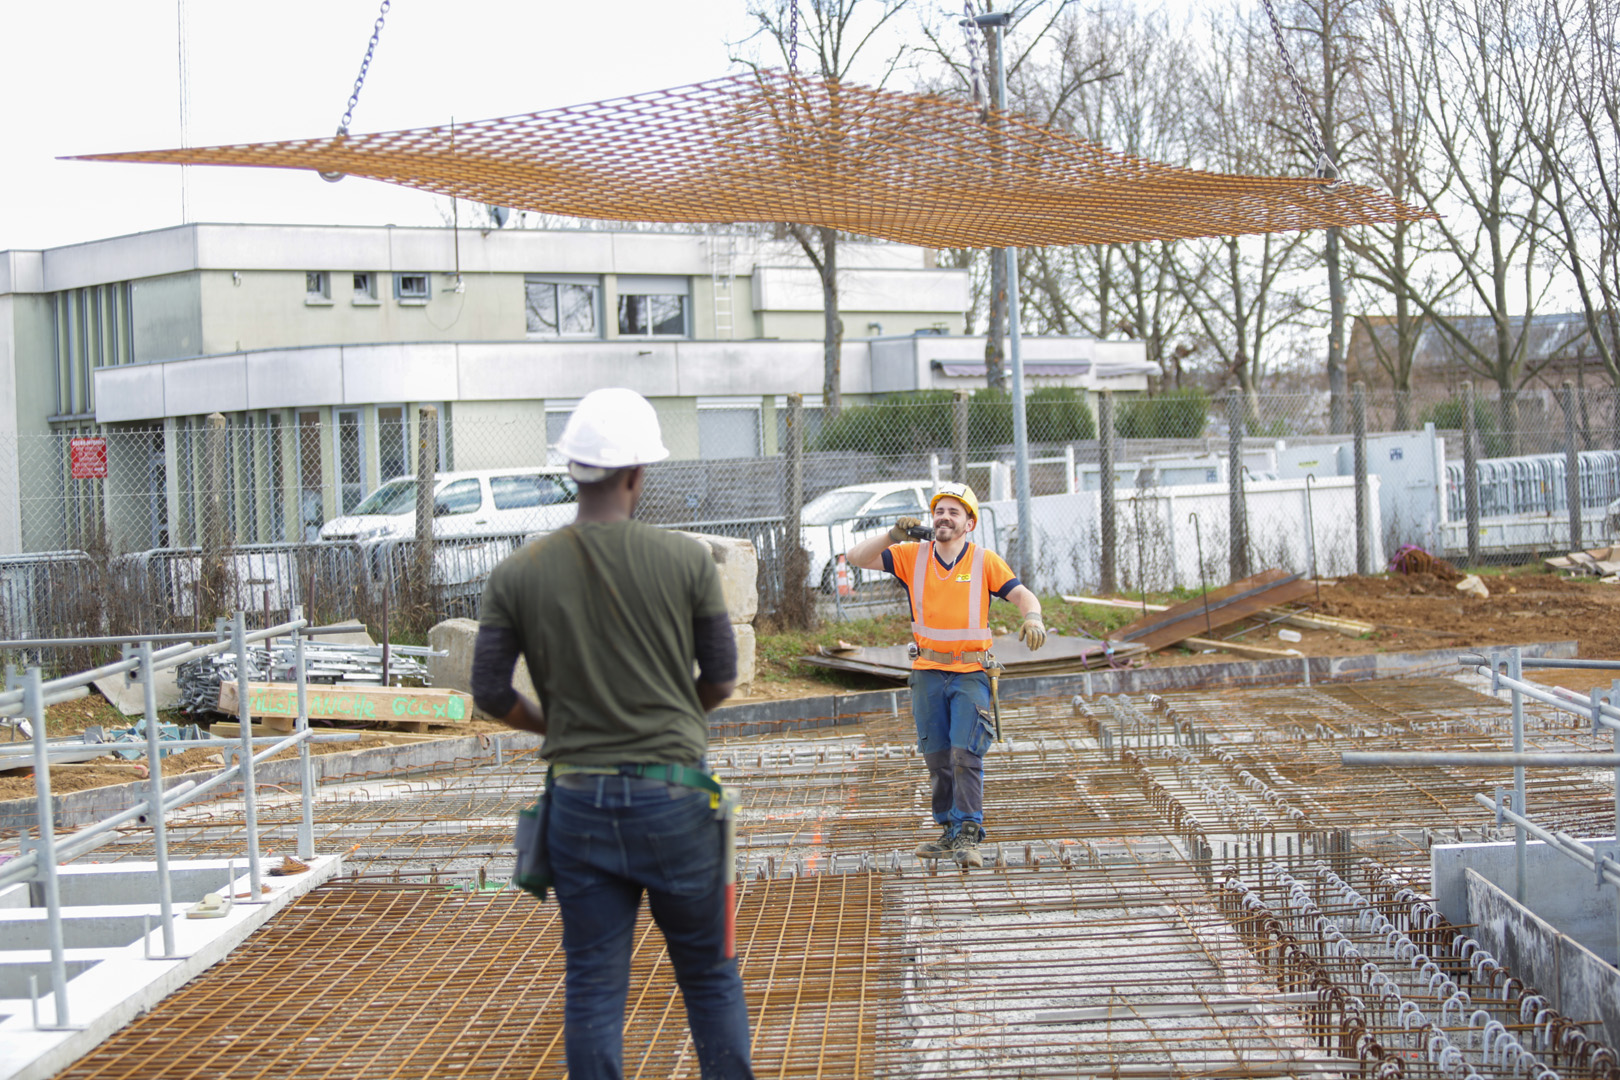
{"x": 1192, "y": 895}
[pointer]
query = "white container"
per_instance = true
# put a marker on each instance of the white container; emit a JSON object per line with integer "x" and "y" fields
{"x": 1288, "y": 635}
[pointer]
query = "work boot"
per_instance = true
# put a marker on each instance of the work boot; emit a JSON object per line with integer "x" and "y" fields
{"x": 965, "y": 844}
{"x": 938, "y": 849}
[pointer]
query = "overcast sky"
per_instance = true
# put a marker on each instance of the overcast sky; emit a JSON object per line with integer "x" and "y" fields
{"x": 102, "y": 75}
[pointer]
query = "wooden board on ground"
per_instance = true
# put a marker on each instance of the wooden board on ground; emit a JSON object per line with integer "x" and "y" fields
{"x": 1218, "y": 608}
{"x": 1059, "y": 655}
{"x": 1304, "y": 620}
{"x": 268, "y": 702}
{"x": 234, "y": 731}
{"x": 1238, "y": 648}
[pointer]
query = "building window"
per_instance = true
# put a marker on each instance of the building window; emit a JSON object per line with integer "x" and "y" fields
{"x": 814, "y": 413}
{"x": 393, "y": 443}
{"x": 351, "y": 461}
{"x": 728, "y": 428}
{"x": 411, "y": 288}
{"x": 557, "y": 414}
{"x": 317, "y": 287}
{"x": 365, "y": 288}
{"x": 561, "y": 307}
{"x": 653, "y": 306}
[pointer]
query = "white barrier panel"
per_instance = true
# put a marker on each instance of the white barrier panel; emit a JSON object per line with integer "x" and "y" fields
{"x": 1068, "y": 532}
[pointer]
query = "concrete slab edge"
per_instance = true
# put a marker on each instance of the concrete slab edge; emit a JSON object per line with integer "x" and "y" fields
{"x": 61, "y": 1049}
{"x": 762, "y": 717}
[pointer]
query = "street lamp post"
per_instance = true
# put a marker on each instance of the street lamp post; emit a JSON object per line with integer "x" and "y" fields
{"x": 993, "y": 24}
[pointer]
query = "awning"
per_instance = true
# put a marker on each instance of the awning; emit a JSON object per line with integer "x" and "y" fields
{"x": 1034, "y": 369}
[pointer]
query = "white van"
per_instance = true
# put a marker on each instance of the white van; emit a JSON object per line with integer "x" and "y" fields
{"x": 475, "y": 503}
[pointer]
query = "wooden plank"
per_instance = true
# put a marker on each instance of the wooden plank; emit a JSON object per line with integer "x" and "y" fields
{"x": 1132, "y": 605}
{"x": 1224, "y": 606}
{"x": 1257, "y": 652}
{"x": 269, "y": 702}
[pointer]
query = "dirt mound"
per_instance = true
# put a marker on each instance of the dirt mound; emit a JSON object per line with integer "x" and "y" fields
{"x": 1521, "y": 607}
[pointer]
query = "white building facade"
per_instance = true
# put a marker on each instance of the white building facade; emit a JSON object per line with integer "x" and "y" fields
{"x": 319, "y": 345}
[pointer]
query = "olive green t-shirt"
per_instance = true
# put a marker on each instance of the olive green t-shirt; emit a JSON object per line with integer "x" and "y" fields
{"x": 612, "y": 666}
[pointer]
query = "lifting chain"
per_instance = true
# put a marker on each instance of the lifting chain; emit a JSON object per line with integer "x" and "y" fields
{"x": 976, "y": 75}
{"x": 365, "y": 65}
{"x": 793, "y": 37}
{"x": 359, "y": 81}
{"x": 1326, "y": 168}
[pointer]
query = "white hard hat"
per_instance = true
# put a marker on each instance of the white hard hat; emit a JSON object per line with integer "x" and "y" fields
{"x": 610, "y": 429}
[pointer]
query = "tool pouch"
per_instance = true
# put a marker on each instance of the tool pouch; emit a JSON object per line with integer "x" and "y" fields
{"x": 532, "y": 873}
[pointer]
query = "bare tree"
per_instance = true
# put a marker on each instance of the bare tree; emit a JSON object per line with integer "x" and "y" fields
{"x": 1118, "y": 81}
{"x": 1324, "y": 37}
{"x": 1394, "y": 147}
{"x": 837, "y": 35}
{"x": 1240, "y": 289}
{"x": 1567, "y": 80}
{"x": 1492, "y": 224}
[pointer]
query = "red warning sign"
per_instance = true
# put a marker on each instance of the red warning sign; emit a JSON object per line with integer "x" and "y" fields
{"x": 87, "y": 458}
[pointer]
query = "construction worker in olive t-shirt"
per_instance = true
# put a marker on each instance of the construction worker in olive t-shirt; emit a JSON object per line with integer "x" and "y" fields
{"x": 950, "y": 581}
{"x": 612, "y": 616}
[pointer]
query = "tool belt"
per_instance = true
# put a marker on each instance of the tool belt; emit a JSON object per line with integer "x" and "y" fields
{"x": 669, "y": 774}
{"x": 982, "y": 657}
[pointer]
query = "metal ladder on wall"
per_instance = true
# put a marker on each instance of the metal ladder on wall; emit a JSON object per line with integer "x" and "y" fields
{"x": 723, "y": 278}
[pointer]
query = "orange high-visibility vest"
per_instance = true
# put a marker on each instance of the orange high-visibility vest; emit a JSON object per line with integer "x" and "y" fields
{"x": 950, "y": 613}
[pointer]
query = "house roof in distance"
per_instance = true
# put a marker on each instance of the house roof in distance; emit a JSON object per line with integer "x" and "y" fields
{"x": 769, "y": 146}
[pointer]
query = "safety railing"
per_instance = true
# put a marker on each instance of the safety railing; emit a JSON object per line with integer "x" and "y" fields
{"x": 30, "y": 693}
{"x": 1534, "y": 484}
{"x": 1601, "y": 707}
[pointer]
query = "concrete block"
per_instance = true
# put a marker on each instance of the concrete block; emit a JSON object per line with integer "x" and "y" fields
{"x": 457, "y": 637}
{"x": 745, "y": 654}
{"x": 739, "y": 573}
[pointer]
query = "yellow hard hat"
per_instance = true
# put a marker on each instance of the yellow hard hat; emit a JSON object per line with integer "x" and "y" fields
{"x": 960, "y": 492}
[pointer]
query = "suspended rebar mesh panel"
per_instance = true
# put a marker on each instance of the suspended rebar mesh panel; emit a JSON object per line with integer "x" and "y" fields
{"x": 772, "y": 147}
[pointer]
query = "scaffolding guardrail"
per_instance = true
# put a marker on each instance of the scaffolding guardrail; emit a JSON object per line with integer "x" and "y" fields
{"x": 30, "y": 692}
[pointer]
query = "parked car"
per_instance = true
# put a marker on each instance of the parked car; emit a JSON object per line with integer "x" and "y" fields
{"x": 836, "y": 520}
{"x": 475, "y": 503}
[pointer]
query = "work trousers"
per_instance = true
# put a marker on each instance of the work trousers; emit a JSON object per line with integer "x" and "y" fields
{"x": 611, "y": 839}
{"x": 954, "y": 730}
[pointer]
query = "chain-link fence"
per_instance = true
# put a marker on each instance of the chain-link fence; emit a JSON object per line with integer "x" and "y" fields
{"x": 168, "y": 527}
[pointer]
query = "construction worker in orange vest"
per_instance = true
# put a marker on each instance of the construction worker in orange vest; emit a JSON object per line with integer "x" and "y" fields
{"x": 951, "y": 581}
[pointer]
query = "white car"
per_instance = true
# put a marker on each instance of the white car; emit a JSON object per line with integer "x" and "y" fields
{"x": 836, "y": 520}
{"x": 477, "y": 503}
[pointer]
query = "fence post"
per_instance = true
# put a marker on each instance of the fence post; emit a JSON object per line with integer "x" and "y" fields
{"x": 427, "y": 464}
{"x": 212, "y": 571}
{"x": 1470, "y": 473}
{"x": 795, "y": 604}
{"x": 1358, "y": 421}
{"x": 1106, "y": 568}
{"x": 1237, "y": 507}
{"x": 1572, "y": 463}
{"x": 959, "y": 435}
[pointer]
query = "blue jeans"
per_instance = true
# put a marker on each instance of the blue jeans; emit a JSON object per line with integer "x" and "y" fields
{"x": 954, "y": 729}
{"x": 611, "y": 838}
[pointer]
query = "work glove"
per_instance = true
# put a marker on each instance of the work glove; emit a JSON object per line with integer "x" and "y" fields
{"x": 1033, "y": 632}
{"x": 897, "y": 533}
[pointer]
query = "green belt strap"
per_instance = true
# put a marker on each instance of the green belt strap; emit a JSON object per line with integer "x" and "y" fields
{"x": 670, "y": 774}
